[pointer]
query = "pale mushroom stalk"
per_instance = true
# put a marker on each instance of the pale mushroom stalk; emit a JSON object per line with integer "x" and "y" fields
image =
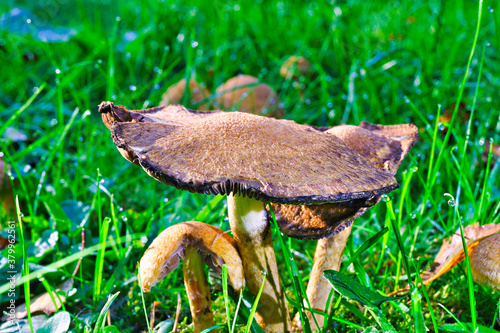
{"x": 197, "y": 290}
{"x": 251, "y": 230}
{"x": 328, "y": 255}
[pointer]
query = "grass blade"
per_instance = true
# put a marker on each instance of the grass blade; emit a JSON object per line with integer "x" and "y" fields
{"x": 26, "y": 270}
{"x": 255, "y": 304}
{"x": 21, "y": 109}
{"x": 99, "y": 325}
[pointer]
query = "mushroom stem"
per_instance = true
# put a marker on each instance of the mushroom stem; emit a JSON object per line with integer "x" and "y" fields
{"x": 251, "y": 230}
{"x": 328, "y": 255}
{"x": 197, "y": 289}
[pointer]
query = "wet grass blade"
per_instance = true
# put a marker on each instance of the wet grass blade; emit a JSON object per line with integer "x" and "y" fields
{"x": 99, "y": 325}
{"x": 26, "y": 270}
{"x": 21, "y": 109}
{"x": 255, "y": 304}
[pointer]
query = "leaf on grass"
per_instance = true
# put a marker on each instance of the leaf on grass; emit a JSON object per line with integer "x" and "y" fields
{"x": 353, "y": 290}
{"x": 452, "y": 253}
{"x": 43, "y": 303}
{"x": 59, "y": 323}
{"x": 459, "y": 328}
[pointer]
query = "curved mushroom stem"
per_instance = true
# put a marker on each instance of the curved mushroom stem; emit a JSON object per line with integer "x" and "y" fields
{"x": 328, "y": 255}
{"x": 251, "y": 230}
{"x": 197, "y": 289}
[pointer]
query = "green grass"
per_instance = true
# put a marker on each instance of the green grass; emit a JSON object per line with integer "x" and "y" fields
{"x": 382, "y": 62}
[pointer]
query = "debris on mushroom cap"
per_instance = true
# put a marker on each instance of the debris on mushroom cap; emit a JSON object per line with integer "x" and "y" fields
{"x": 485, "y": 262}
{"x": 245, "y": 94}
{"x": 197, "y": 92}
{"x": 167, "y": 249}
{"x": 293, "y": 66}
{"x": 383, "y": 146}
{"x": 264, "y": 158}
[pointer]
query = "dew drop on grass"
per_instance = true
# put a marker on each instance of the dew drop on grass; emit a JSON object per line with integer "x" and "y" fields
{"x": 144, "y": 239}
{"x": 133, "y": 88}
{"x": 451, "y": 201}
{"x": 40, "y": 277}
{"x": 194, "y": 44}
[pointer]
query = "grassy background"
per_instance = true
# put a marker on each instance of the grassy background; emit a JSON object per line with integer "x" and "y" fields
{"x": 383, "y": 62}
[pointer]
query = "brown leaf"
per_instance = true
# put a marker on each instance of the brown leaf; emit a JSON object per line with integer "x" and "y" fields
{"x": 43, "y": 303}
{"x": 452, "y": 252}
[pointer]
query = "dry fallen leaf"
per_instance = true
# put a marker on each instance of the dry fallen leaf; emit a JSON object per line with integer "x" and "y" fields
{"x": 43, "y": 303}
{"x": 452, "y": 253}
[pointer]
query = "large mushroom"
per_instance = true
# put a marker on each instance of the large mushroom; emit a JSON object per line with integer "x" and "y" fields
{"x": 253, "y": 160}
{"x": 384, "y": 147}
{"x": 195, "y": 243}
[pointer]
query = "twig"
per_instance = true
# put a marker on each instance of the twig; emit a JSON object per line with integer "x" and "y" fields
{"x": 178, "y": 312}
{"x": 80, "y": 260}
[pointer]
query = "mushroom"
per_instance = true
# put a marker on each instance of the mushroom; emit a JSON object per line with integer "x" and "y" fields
{"x": 384, "y": 147}
{"x": 294, "y": 67}
{"x": 197, "y": 94}
{"x": 485, "y": 262}
{"x": 195, "y": 243}
{"x": 245, "y": 94}
{"x": 253, "y": 160}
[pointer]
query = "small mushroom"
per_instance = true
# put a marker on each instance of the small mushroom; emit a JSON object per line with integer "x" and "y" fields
{"x": 294, "y": 67}
{"x": 253, "y": 160}
{"x": 485, "y": 262}
{"x": 245, "y": 94}
{"x": 383, "y": 146}
{"x": 197, "y": 94}
{"x": 195, "y": 243}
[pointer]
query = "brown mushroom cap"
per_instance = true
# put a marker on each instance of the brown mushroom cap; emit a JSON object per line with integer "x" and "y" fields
{"x": 293, "y": 66}
{"x": 233, "y": 152}
{"x": 245, "y": 94}
{"x": 485, "y": 262}
{"x": 167, "y": 249}
{"x": 383, "y": 146}
{"x": 174, "y": 93}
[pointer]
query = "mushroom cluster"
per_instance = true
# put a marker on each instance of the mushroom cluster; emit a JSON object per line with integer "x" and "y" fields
{"x": 254, "y": 160}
